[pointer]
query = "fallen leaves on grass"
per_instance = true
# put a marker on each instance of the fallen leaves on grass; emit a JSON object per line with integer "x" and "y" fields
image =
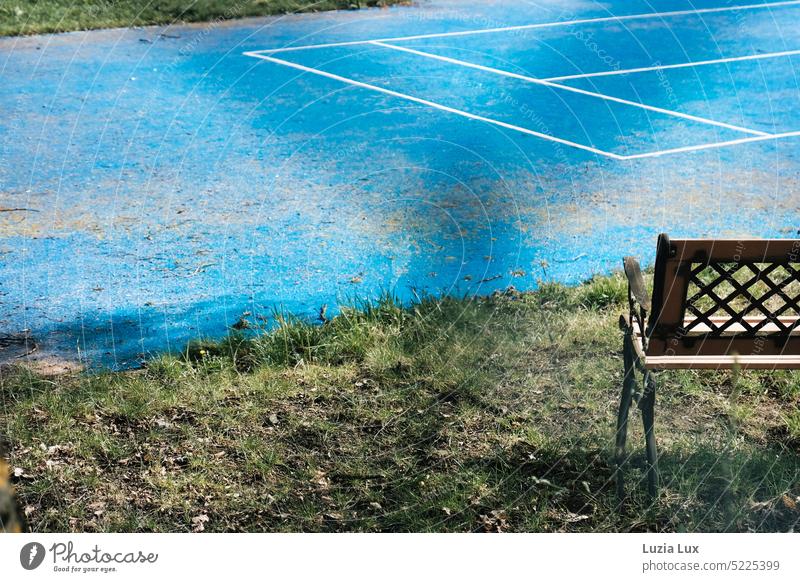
{"x": 199, "y": 523}
{"x": 496, "y": 521}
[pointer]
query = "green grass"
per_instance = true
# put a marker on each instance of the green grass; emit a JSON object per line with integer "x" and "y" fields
{"x": 449, "y": 415}
{"x": 19, "y": 17}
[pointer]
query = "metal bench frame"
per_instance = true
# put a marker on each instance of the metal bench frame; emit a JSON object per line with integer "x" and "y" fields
{"x": 687, "y": 324}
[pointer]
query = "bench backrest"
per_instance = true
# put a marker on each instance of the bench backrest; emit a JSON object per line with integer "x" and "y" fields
{"x": 719, "y": 297}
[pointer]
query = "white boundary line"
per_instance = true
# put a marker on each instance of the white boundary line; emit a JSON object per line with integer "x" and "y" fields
{"x": 676, "y": 66}
{"x": 524, "y": 130}
{"x": 547, "y": 83}
{"x": 707, "y": 146}
{"x": 534, "y": 26}
{"x": 434, "y": 105}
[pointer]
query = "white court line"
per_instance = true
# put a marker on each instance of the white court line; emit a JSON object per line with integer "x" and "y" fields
{"x": 434, "y": 105}
{"x": 533, "y": 26}
{"x": 712, "y": 145}
{"x": 676, "y": 66}
{"x": 547, "y": 83}
{"x": 524, "y": 130}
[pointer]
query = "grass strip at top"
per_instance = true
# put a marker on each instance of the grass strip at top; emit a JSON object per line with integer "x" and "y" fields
{"x": 490, "y": 414}
{"x": 41, "y": 16}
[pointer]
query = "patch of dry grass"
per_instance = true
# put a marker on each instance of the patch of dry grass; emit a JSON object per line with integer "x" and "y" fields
{"x": 40, "y": 16}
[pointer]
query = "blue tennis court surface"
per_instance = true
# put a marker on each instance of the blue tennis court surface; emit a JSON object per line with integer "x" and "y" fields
{"x": 583, "y": 93}
{"x": 159, "y": 184}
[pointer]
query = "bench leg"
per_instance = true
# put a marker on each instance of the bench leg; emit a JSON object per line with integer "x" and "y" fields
{"x": 628, "y": 388}
{"x": 647, "y": 404}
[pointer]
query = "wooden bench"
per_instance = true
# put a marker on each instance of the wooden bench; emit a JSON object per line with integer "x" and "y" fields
{"x": 716, "y": 304}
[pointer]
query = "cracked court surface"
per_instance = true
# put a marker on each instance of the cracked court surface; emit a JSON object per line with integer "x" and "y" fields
{"x": 159, "y": 183}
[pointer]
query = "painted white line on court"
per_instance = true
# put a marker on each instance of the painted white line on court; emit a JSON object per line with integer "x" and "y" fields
{"x": 534, "y": 26}
{"x": 547, "y": 83}
{"x": 708, "y": 146}
{"x": 433, "y": 104}
{"x": 676, "y": 66}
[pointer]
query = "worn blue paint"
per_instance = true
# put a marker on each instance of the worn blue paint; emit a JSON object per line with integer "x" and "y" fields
{"x": 174, "y": 183}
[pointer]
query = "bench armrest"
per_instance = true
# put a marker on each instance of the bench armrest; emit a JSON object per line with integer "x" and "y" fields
{"x": 636, "y": 285}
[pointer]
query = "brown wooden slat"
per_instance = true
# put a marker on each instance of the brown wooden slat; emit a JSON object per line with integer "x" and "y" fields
{"x": 669, "y": 294}
{"x": 714, "y": 362}
{"x": 774, "y": 345}
{"x": 729, "y": 250}
{"x": 722, "y": 363}
{"x": 636, "y": 282}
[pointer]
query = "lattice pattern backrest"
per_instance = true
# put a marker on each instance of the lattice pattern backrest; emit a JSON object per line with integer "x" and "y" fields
{"x": 717, "y": 297}
{"x": 747, "y": 294}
